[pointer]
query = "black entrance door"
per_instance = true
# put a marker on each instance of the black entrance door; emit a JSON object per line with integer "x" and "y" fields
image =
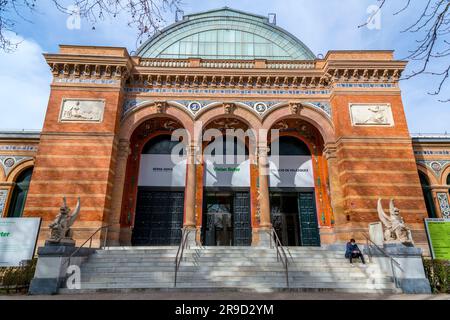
{"x": 159, "y": 218}
{"x": 309, "y": 228}
{"x": 227, "y": 219}
{"x": 242, "y": 219}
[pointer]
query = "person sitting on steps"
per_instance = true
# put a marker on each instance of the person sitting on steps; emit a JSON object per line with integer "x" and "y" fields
{"x": 352, "y": 252}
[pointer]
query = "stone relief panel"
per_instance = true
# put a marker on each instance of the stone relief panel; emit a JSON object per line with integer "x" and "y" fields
{"x": 443, "y": 204}
{"x": 371, "y": 115}
{"x": 73, "y": 110}
{"x": 3, "y": 197}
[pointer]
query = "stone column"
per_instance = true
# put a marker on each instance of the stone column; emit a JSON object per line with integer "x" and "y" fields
{"x": 264, "y": 198}
{"x": 189, "y": 210}
{"x": 123, "y": 151}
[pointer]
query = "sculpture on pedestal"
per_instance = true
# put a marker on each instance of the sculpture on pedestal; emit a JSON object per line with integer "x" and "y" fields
{"x": 60, "y": 227}
{"x": 395, "y": 229}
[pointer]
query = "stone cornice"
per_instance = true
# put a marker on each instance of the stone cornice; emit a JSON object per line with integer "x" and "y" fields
{"x": 88, "y": 69}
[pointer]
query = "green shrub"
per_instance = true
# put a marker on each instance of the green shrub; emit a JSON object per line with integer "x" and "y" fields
{"x": 17, "y": 278}
{"x": 438, "y": 273}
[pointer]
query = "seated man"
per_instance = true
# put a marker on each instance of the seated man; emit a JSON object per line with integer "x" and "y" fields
{"x": 352, "y": 252}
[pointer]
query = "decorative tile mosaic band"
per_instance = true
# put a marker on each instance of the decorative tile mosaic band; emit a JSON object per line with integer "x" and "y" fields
{"x": 260, "y": 107}
{"x": 365, "y": 85}
{"x": 435, "y": 165}
{"x": 18, "y": 148}
{"x": 228, "y": 91}
{"x": 3, "y": 197}
{"x": 433, "y": 152}
{"x": 8, "y": 163}
{"x": 443, "y": 204}
{"x": 86, "y": 81}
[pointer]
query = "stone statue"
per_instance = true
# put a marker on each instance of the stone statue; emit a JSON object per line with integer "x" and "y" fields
{"x": 60, "y": 227}
{"x": 395, "y": 229}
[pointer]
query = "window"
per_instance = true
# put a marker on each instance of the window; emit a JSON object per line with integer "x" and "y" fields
{"x": 19, "y": 195}
{"x": 291, "y": 146}
{"x": 160, "y": 145}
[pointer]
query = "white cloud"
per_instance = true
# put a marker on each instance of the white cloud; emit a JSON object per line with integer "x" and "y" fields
{"x": 24, "y": 87}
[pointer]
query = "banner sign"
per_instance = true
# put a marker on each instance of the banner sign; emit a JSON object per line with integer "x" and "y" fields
{"x": 226, "y": 175}
{"x": 158, "y": 170}
{"x": 18, "y": 237}
{"x": 291, "y": 172}
{"x": 438, "y": 233}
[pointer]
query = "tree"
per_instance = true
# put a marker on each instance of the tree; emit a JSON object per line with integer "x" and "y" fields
{"x": 432, "y": 30}
{"x": 145, "y": 15}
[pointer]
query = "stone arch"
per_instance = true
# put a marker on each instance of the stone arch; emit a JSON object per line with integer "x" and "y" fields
{"x": 445, "y": 174}
{"x": 239, "y": 112}
{"x": 307, "y": 113}
{"x": 433, "y": 180}
{"x": 12, "y": 176}
{"x": 150, "y": 110}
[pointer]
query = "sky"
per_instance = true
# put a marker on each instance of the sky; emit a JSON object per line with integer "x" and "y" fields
{"x": 322, "y": 25}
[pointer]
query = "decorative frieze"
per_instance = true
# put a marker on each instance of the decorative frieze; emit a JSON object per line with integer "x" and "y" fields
{"x": 79, "y": 110}
{"x": 260, "y": 107}
{"x": 85, "y": 73}
{"x": 371, "y": 115}
{"x": 444, "y": 204}
{"x": 19, "y": 148}
{"x": 234, "y": 92}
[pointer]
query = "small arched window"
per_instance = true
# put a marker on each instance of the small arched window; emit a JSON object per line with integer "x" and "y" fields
{"x": 448, "y": 179}
{"x": 19, "y": 195}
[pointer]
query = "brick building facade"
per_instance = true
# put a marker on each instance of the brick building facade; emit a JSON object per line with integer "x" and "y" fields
{"x": 108, "y": 110}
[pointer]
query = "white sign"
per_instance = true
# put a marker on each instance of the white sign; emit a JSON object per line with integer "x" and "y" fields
{"x": 18, "y": 238}
{"x": 226, "y": 175}
{"x": 371, "y": 115}
{"x": 291, "y": 172}
{"x": 158, "y": 170}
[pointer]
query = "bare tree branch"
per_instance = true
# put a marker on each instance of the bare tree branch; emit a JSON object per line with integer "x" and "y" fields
{"x": 147, "y": 16}
{"x": 432, "y": 46}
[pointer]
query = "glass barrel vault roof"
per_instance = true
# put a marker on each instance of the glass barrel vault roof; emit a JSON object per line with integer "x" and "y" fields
{"x": 225, "y": 34}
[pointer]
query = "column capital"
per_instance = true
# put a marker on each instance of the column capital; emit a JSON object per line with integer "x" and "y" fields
{"x": 123, "y": 148}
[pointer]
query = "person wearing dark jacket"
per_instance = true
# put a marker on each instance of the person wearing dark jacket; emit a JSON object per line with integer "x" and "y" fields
{"x": 352, "y": 252}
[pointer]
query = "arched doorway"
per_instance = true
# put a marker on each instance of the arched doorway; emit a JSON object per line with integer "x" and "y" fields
{"x": 292, "y": 192}
{"x": 428, "y": 196}
{"x": 226, "y": 218}
{"x": 19, "y": 194}
{"x": 153, "y": 200}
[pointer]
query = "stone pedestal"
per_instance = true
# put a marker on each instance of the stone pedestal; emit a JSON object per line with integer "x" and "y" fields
{"x": 51, "y": 269}
{"x": 410, "y": 274}
{"x": 264, "y": 238}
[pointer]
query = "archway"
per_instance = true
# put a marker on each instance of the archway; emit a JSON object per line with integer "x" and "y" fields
{"x": 292, "y": 192}
{"x": 226, "y": 217}
{"x": 19, "y": 193}
{"x": 298, "y": 183}
{"x": 427, "y": 195}
{"x": 153, "y": 202}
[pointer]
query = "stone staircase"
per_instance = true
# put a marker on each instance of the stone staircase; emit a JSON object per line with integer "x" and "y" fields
{"x": 228, "y": 268}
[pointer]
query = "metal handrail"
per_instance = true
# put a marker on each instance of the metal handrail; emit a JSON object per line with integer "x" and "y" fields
{"x": 387, "y": 255}
{"x": 180, "y": 252}
{"x": 90, "y": 241}
{"x": 281, "y": 253}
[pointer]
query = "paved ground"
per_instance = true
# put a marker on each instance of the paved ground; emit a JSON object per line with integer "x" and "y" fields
{"x": 229, "y": 296}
